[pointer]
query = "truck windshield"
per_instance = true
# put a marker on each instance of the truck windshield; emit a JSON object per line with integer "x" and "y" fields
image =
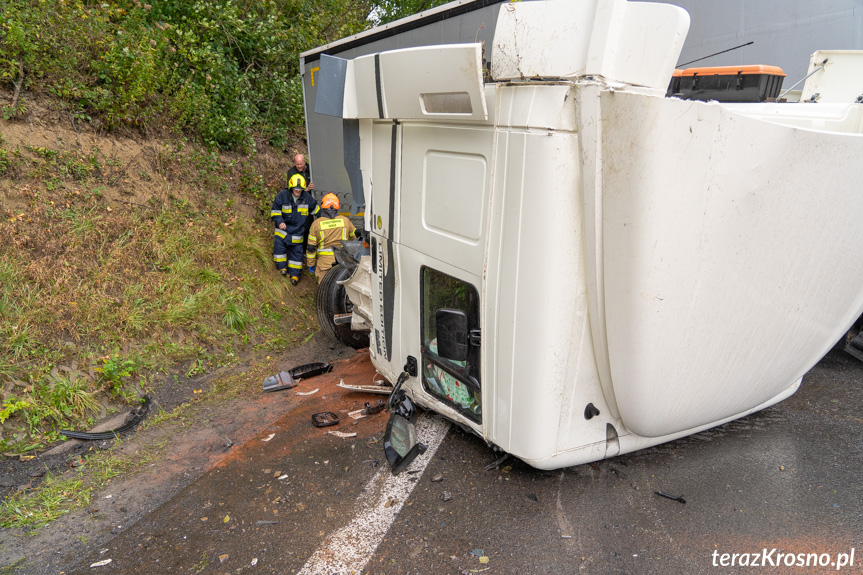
{"x": 455, "y": 383}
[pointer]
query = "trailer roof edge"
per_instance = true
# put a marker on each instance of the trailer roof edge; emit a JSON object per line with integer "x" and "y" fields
{"x": 425, "y": 18}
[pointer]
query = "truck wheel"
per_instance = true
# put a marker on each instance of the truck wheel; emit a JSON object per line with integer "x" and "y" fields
{"x": 332, "y": 300}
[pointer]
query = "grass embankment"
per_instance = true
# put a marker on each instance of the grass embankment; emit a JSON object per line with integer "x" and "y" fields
{"x": 100, "y": 296}
{"x": 119, "y": 274}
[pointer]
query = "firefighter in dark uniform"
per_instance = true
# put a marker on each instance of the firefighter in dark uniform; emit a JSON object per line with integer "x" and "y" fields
{"x": 291, "y": 208}
{"x": 302, "y": 168}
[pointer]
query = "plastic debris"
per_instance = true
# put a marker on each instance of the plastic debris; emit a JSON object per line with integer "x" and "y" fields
{"x": 269, "y": 437}
{"x": 134, "y": 418}
{"x": 385, "y": 388}
{"x": 254, "y": 561}
{"x": 446, "y": 496}
{"x": 312, "y": 392}
{"x": 437, "y": 478}
{"x": 342, "y": 434}
{"x": 101, "y": 563}
{"x": 483, "y": 559}
{"x": 679, "y": 499}
{"x": 376, "y": 408}
{"x": 325, "y": 419}
{"x": 280, "y": 381}
{"x": 358, "y": 414}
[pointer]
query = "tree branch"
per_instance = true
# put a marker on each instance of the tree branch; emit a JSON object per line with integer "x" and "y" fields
{"x": 18, "y": 83}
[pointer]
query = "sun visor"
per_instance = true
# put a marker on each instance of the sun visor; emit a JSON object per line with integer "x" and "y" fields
{"x": 434, "y": 82}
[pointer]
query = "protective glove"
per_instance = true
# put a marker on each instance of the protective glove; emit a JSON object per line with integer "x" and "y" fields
{"x": 311, "y": 269}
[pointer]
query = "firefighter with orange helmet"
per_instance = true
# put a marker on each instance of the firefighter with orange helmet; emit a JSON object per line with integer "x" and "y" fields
{"x": 327, "y": 232}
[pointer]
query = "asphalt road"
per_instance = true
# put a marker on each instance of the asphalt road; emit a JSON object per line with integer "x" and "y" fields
{"x": 784, "y": 481}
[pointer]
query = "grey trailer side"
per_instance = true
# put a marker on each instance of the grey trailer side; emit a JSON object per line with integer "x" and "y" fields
{"x": 334, "y": 143}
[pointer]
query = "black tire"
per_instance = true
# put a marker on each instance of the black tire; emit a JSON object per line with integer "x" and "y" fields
{"x": 332, "y": 300}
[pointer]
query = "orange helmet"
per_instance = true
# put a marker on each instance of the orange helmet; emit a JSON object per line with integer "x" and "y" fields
{"x": 330, "y": 201}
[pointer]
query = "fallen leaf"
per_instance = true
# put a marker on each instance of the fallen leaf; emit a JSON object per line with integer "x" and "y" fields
{"x": 483, "y": 559}
{"x": 226, "y": 519}
{"x": 223, "y": 557}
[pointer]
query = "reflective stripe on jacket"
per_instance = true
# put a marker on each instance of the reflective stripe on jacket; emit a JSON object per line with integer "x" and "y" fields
{"x": 327, "y": 233}
{"x": 293, "y": 211}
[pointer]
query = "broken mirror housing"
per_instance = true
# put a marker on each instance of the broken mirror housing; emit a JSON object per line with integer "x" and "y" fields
{"x": 400, "y": 439}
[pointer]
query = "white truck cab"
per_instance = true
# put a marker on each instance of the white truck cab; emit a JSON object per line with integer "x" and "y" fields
{"x": 572, "y": 265}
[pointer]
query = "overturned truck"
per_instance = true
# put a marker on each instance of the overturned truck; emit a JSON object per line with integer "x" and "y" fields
{"x": 565, "y": 261}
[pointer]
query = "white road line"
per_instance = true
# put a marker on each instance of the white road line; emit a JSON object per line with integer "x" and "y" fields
{"x": 349, "y": 549}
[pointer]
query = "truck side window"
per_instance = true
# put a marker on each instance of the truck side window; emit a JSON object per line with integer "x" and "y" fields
{"x": 455, "y": 383}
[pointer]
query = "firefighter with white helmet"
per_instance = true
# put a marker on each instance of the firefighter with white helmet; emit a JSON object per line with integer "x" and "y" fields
{"x": 327, "y": 232}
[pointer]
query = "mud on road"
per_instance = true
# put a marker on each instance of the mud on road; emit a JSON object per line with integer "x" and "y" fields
{"x": 170, "y": 456}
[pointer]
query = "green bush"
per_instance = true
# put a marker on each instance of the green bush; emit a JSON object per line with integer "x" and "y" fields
{"x": 225, "y": 72}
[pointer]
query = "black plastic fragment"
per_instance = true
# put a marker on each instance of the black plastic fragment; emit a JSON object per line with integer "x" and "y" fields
{"x": 309, "y": 370}
{"x": 325, "y": 419}
{"x": 137, "y": 415}
{"x": 672, "y": 497}
{"x": 376, "y": 408}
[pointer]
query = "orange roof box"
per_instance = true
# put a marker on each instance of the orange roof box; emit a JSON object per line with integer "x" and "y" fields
{"x": 755, "y": 83}
{"x": 731, "y": 70}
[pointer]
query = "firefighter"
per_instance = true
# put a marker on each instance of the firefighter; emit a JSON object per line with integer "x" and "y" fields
{"x": 327, "y": 232}
{"x": 302, "y": 168}
{"x": 291, "y": 207}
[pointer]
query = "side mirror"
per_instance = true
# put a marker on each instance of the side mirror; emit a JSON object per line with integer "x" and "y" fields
{"x": 400, "y": 438}
{"x": 452, "y": 334}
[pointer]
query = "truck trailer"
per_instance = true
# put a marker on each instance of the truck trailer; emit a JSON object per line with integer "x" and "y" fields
{"x": 568, "y": 263}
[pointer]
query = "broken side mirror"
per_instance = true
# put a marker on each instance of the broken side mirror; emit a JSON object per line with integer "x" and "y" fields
{"x": 452, "y": 334}
{"x": 400, "y": 439}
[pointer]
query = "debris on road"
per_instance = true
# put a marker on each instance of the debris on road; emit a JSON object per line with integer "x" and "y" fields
{"x": 312, "y": 392}
{"x": 376, "y": 408}
{"x": 135, "y": 417}
{"x": 325, "y": 419}
{"x": 437, "y": 478}
{"x": 369, "y": 409}
{"x": 342, "y": 434}
{"x": 446, "y": 496}
{"x": 292, "y": 377}
{"x": 280, "y": 381}
{"x": 679, "y": 499}
{"x": 269, "y": 437}
{"x": 308, "y": 370}
{"x": 497, "y": 462}
{"x": 101, "y": 563}
{"x": 385, "y": 388}
{"x": 262, "y": 522}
